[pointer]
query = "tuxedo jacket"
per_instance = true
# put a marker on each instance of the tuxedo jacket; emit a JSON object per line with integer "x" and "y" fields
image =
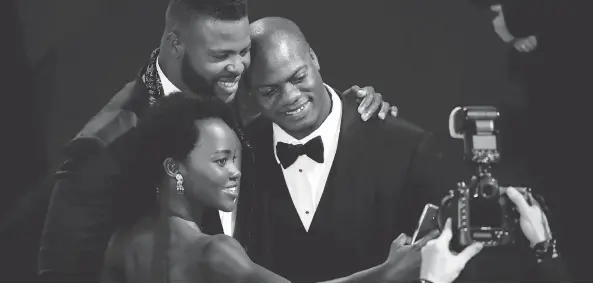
{"x": 82, "y": 213}
{"x": 383, "y": 174}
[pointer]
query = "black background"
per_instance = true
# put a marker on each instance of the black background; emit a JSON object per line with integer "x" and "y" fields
{"x": 64, "y": 59}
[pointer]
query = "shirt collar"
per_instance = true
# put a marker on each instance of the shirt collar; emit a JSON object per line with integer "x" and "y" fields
{"x": 168, "y": 87}
{"x": 328, "y": 130}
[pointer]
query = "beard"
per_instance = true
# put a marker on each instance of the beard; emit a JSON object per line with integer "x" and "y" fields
{"x": 197, "y": 83}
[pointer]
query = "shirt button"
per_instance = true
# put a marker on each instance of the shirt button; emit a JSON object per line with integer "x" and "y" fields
{"x": 300, "y": 170}
{"x": 306, "y": 212}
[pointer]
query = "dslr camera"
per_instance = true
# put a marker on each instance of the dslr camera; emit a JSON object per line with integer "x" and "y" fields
{"x": 479, "y": 209}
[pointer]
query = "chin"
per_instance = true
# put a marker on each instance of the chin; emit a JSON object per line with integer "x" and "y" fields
{"x": 225, "y": 97}
{"x": 229, "y": 98}
{"x": 227, "y": 206}
{"x": 301, "y": 126}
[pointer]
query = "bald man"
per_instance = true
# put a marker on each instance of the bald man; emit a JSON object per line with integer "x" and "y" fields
{"x": 332, "y": 192}
{"x": 204, "y": 50}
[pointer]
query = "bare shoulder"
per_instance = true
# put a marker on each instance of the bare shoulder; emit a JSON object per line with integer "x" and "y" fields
{"x": 221, "y": 244}
{"x": 197, "y": 257}
{"x": 209, "y": 250}
{"x": 223, "y": 259}
{"x": 128, "y": 254}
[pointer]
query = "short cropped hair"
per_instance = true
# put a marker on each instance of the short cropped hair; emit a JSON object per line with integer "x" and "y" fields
{"x": 226, "y": 10}
{"x": 166, "y": 130}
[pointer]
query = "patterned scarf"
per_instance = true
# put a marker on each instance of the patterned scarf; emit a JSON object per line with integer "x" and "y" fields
{"x": 151, "y": 79}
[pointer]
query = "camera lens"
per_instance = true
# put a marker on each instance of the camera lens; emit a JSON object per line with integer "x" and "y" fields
{"x": 488, "y": 190}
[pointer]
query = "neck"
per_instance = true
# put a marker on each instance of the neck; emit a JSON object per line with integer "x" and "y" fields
{"x": 176, "y": 205}
{"x": 171, "y": 67}
{"x": 325, "y": 111}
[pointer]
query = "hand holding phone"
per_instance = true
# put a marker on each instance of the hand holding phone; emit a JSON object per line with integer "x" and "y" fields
{"x": 426, "y": 223}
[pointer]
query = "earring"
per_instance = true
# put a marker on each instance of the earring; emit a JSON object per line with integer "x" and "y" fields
{"x": 180, "y": 188}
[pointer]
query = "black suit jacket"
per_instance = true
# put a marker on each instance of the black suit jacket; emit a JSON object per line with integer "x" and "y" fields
{"x": 80, "y": 217}
{"x": 383, "y": 174}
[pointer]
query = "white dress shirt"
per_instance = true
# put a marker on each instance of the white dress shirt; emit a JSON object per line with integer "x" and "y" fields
{"x": 306, "y": 178}
{"x": 227, "y": 218}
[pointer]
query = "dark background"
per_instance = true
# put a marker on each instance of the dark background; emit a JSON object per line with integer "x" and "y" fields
{"x": 64, "y": 59}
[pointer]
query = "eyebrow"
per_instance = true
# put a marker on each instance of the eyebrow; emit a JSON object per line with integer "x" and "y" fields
{"x": 304, "y": 66}
{"x": 226, "y": 51}
{"x": 223, "y": 152}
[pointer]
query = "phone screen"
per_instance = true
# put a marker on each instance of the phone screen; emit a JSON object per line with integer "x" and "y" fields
{"x": 426, "y": 223}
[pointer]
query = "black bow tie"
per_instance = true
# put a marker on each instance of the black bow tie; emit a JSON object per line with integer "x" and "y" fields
{"x": 288, "y": 154}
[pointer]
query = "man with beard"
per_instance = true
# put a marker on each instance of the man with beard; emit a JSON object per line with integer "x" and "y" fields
{"x": 204, "y": 50}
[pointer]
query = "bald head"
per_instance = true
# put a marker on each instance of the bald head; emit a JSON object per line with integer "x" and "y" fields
{"x": 284, "y": 77}
{"x": 274, "y": 37}
{"x": 276, "y": 28}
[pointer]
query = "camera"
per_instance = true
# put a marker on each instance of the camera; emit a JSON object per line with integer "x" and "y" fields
{"x": 479, "y": 209}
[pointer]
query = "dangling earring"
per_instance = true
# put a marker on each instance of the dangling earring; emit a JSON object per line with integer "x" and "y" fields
{"x": 180, "y": 188}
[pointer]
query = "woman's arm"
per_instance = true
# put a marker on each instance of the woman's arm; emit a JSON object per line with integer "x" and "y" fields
{"x": 224, "y": 260}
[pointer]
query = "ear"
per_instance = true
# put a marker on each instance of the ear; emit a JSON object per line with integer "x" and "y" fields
{"x": 314, "y": 58}
{"x": 176, "y": 46}
{"x": 171, "y": 167}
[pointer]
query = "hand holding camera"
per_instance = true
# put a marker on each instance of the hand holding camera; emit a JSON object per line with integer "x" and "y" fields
{"x": 533, "y": 221}
{"x": 439, "y": 264}
{"x": 482, "y": 210}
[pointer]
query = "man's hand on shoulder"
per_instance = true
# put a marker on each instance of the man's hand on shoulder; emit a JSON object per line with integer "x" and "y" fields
{"x": 371, "y": 103}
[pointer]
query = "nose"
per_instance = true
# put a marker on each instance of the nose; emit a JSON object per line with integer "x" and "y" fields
{"x": 290, "y": 94}
{"x": 236, "y": 65}
{"x": 235, "y": 173}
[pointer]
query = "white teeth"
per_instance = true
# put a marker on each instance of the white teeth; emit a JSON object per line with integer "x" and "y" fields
{"x": 228, "y": 84}
{"x": 297, "y": 111}
{"x": 230, "y": 190}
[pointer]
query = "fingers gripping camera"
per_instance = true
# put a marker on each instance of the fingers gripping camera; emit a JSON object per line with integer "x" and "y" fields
{"x": 479, "y": 209}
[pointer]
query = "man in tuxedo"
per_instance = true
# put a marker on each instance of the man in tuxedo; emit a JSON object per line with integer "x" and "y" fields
{"x": 205, "y": 49}
{"x": 332, "y": 192}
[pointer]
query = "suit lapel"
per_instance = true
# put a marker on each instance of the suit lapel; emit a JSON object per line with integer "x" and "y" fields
{"x": 339, "y": 179}
{"x": 270, "y": 174}
{"x": 274, "y": 187}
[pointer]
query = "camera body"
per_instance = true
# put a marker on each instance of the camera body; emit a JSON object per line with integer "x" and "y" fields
{"x": 479, "y": 209}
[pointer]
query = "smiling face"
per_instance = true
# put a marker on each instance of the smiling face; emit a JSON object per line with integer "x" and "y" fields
{"x": 287, "y": 85}
{"x": 212, "y": 170}
{"x": 216, "y": 55}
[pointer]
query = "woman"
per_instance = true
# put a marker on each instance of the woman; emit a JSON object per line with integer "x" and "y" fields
{"x": 187, "y": 161}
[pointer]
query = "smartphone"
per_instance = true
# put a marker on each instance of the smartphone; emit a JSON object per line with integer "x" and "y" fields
{"x": 426, "y": 223}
